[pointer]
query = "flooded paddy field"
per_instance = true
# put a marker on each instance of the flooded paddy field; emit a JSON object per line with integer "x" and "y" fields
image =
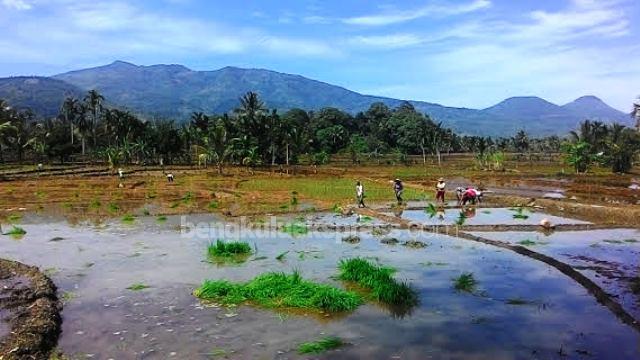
{"x": 609, "y": 257}
{"x": 482, "y": 216}
{"x": 127, "y": 288}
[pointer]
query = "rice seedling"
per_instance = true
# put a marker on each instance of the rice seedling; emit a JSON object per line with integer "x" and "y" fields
{"x": 337, "y": 209}
{"x": 630, "y": 240}
{"x": 218, "y": 352}
{"x": 295, "y": 228}
{"x": 612, "y": 241}
{"x": 283, "y": 207}
{"x": 520, "y": 214}
{"x": 280, "y": 290}
{"x": 431, "y": 263}
{"x": 380, "y": 231}
{"x": 150, "y": 195}
{"x": 161, "y": 218}
{"x": 431, "y": 210}
{"x": 68, "y": 296}
{"x": 281, "y": 256}
{"x": 67, "y": 205}
{"x": 213, "y": 205}
{"x": 462, "y": 218}
{"x": 258, "y": 258}
{"x": 113, "y": 207}
{"x": 527, "y": 242}
{"x": 56, "y": 239}
{"x": 174, "y": 205}
{"x": 465, "y": 282}
{"x": 228, "y": 249}
{"x": 128, "y": 219}
{"x": 486, "y": 212}
{"x": 294, "y": 198}
{"x": 320, "y": 346}
{"x": 138, "y": 287}
{"x": 378, "y": 280}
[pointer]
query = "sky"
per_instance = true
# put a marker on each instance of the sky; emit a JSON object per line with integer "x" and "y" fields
{"x": 466, "y": 53}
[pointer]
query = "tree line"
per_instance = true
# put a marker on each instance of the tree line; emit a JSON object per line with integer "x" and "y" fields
{"x": 253, "y": 135}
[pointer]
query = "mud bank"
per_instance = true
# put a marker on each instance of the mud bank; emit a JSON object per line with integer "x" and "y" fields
{"x": 32, "y": 312}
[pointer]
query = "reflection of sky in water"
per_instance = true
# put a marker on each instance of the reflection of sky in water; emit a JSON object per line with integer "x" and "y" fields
{"x": 106, "y": 319}
{"x": 608, "y": 257}
{"x": 484, "y": 216}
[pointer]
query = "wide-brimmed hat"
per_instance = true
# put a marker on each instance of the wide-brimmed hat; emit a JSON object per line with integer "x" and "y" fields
{"x": 441, "y": 179}
{"x": 396, "y": 180}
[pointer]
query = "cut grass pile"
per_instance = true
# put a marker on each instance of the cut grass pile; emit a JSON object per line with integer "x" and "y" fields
{"x": 465, "y": 282}
{"x": 280, "y": 290}
{"x": 379, "y": 280}
{"x": 225, "y": 249}
{"x": 520, "y": 214}
{"x": 320, "y": 346}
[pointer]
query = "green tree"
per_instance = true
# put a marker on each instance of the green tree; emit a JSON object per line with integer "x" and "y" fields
{"x": 93, "y": 103}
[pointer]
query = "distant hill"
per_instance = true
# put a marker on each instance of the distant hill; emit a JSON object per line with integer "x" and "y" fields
{"x": 42, "y": 95}
{"x": 174, "y": 91}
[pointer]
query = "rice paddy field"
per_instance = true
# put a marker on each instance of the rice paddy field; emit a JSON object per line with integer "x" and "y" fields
{"x": 284, "y": 266}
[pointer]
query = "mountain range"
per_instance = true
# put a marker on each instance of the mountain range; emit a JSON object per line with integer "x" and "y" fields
{"x": 174, "y": 91}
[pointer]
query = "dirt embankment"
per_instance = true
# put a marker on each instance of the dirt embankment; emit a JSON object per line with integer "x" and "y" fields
{"x": 32, "y": 310}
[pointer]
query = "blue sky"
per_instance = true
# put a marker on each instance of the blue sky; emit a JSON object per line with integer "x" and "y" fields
{"x": 471, "y": 53}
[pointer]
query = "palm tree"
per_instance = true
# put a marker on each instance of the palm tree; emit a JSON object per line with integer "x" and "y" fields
{"x": 250, "y": 106}
{"x": 635, "y": 113}
{"x": 83, "y": 125}
{"x": 93, "y": 101}
{"x": 70, "y": 111}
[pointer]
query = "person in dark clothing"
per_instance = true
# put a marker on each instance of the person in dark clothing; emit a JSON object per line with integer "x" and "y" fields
{"x": 360, "y": 194}
{"x": 398, "y": 188}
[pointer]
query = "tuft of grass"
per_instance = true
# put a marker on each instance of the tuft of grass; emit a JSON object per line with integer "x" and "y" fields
{"x": 351, "y": 239}
{"x": 295, "y": 228}
{"x": 414, "y": 244}
{"x": 379, "y": 280}
{"x": 161, "y": 218}
{"x": 520, "y": 214}
{"x": 465, "y": 282}
{"x": 282, "y": 255}
{"x": 95, "y": 204}
{"x": 280, "y": 290}
{"x": 213, "y": 205}
{"x": 13, "y": 218}
{"x": 128, "y": 219}
{"x": 380, "y": 231}
{"x": 630, "y": 240}
{"x": 138, "y": 287}
{"x": 16, "y": 231}
{"x": 226, "y": 249}
{"x": 320, "y": 346}
{"x": 113, "y": 207}
{"x": 187, "y": 198}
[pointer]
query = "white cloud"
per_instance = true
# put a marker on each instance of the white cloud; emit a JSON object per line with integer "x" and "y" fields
{"x": 393, "y": 41}
{"x": 431, "y": 10}
{"x": 17, "y": 4}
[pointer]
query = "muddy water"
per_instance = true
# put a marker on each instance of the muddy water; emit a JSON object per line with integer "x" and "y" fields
{"x": 611, "y": 258}
{"x": 483, "y": 216}
{"x": 94, "y": 265}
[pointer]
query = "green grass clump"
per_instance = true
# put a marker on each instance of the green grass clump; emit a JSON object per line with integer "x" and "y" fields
{"x": 295, "y": 228}
{"x": 128, "y": 219}
{"x": 161, "y": 218}
{"x": 228, "y": 249}
{"x": 13, "y": 218}
{"x": 138, "y": 287}
{"x": 95, "y": 204}
{"x": 16, "y": 231}
{"x": 213, "y": 205}
{"x": 320, "y": 346}
{"x": 280, "y": 290}
{"x": 113, "y": 207}
{"x": 462, "y": 218}
{"x": 281, "y": 256}
{"x": 465, "y": 282}
{"x": 431, "y": 210}
{"x": 520, "y": 214}
{"x": 187, "y": 198}
{"x": 379, "y": 280}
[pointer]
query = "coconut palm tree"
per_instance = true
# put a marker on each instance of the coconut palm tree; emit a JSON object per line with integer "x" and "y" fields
{"x": 69, "y": 110}
{"x": 93, "y": 101}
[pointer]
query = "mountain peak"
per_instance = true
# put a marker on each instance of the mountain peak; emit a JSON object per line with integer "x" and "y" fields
{"x": 588, "y": 99}
{"x": 120, "y": 63}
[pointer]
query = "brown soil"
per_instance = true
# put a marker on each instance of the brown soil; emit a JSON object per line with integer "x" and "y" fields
{"x": 30, "y": 298}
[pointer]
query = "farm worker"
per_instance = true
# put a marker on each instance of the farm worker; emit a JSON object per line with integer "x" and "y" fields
{"x": 398, "y": 188}
{"x": 459, "y": 192}
{"x": 170, "y": 177}
{"x": 471, "y": 195}
{"x": 440, "y": 189}
{"x": 360, "y": 194}
{"x": 120, "y": 174}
